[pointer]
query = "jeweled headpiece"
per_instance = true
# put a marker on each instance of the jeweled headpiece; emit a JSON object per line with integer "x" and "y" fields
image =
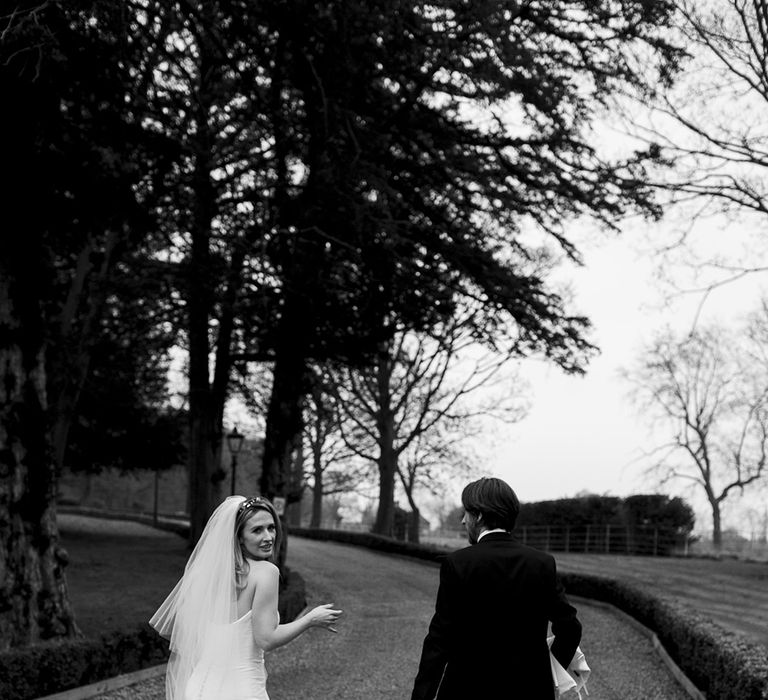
{"x": 251, "y": 502}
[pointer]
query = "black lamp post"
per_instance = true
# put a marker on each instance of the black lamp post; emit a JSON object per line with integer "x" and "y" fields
{"x": 234, "y": 442}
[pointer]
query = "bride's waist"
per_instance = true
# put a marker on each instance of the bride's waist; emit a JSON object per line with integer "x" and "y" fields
{"x": 233, "y": 650}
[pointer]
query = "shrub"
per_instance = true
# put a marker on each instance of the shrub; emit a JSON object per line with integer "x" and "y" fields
{"x": 293, "y": 596}
{"x": 371, "y": 541}
{"x": 641, "y": 524}
{"x": 723, "y": 665}
{"x": 51, "y": 667}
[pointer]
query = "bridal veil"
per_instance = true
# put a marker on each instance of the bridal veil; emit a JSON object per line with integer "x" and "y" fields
{"x": 204, "y": 600}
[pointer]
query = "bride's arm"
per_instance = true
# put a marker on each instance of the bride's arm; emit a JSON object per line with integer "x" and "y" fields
{"x": 264, "y": 617}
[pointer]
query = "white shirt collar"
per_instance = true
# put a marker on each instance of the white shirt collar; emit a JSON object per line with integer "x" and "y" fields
{"x": 488, "y": 532}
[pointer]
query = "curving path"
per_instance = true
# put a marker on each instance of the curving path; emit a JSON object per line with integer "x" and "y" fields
{"x": 388, "y": 602}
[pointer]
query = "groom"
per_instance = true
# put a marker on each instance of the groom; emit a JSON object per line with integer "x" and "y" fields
{"x": 488, "y": 636}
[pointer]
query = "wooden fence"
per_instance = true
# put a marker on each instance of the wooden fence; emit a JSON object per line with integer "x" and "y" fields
{"x": 591, "y": 539}
{"x": 603, "y": 539}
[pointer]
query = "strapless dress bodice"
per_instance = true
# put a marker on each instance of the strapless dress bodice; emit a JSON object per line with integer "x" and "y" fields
{"x": 231, "y": 667}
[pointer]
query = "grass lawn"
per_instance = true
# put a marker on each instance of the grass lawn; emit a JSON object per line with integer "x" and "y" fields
{"x": 731, "y": 592}
{"x": 120, "y": 572}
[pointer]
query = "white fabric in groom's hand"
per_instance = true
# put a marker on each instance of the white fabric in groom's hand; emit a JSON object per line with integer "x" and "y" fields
{"x": 575, "y": 677}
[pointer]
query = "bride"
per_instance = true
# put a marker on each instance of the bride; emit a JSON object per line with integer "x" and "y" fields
{"x": 222, "y": 615}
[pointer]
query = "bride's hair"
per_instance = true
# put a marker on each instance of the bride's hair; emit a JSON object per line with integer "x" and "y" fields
{"x": 244, "y": 512}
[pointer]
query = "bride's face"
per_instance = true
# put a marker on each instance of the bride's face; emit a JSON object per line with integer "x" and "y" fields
{"x": 258, "y": 535}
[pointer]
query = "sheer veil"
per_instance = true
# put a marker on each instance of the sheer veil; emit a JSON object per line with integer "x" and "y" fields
{"x": 204, "y": 599}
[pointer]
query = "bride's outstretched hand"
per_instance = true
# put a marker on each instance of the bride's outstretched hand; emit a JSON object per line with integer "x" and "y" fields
{"x": 324, "y": 616}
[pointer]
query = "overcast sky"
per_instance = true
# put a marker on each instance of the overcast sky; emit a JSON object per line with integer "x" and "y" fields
{"x": 583, "y": 433}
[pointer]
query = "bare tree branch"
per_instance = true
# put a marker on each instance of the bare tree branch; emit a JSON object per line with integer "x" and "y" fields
{"x": 713, "y": 399}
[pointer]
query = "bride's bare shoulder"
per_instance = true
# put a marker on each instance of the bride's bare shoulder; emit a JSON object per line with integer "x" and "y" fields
{"x": 261, "y": 570}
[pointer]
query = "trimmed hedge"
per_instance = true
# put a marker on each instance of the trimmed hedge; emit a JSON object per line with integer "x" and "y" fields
{"x": 371, "y": 541}
{"x": 52, "y": 667}
{"x": 720, "y": 663}
{"x": 292, "y": 597}
{"x": 723, "y": 665}
{"x": 179, "y": 527}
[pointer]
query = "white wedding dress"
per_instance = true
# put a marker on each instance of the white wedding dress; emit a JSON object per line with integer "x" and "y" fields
{"x": 213, "y": 654}
{"x": 231, "y": 666}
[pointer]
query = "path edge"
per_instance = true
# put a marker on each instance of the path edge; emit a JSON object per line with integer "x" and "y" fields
{"x": 108, "y": 684}
{"x": 126, "y": 679}
{"x": 668, "y": 661}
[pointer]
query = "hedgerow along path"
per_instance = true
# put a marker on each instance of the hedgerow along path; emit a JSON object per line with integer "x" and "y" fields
{"x": 731, "y": 592}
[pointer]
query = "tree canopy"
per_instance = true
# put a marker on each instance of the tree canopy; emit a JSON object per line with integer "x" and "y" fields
{"x": 314, "y": 177}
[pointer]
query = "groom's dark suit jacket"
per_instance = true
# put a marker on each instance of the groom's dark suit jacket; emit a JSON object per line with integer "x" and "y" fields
{"x": 488, "y": 636}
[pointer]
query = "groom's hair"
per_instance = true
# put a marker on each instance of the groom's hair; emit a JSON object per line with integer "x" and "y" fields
{"x": 494, "y": 499}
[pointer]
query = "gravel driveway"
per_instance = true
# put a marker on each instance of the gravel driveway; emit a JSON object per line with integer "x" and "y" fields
{"x": 388, "y": 602}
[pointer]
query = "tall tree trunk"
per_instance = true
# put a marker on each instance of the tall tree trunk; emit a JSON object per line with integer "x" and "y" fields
{"x": 204, "y": 434}
{"x": 388, "y": 456}
{"x": 414, "y": 519}
{"x": 296, "y": 483}
{"x": 205, "y": 474}
{"x": 284, "y": 423}
{"x": 285, "y": 415}
{"x": 34, "y": 604}
{"x": 385, "y": 515}
{"x": 285, "y": 420}
{"x": 714, "y": 504}
{"x": 717, "y": 532}
{"x": 414, "y": 524}
{"x": 71, "y": 374}
{"x": 77, "y": 327}
{"x": 208, "y": 388}
{"x": 317, "y": 491}
{"x": 208, "y": 398}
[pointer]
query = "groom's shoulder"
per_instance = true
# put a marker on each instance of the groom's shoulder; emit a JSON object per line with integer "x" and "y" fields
{"x": 503, "y": 549}
{"x": 462, "y": 554}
